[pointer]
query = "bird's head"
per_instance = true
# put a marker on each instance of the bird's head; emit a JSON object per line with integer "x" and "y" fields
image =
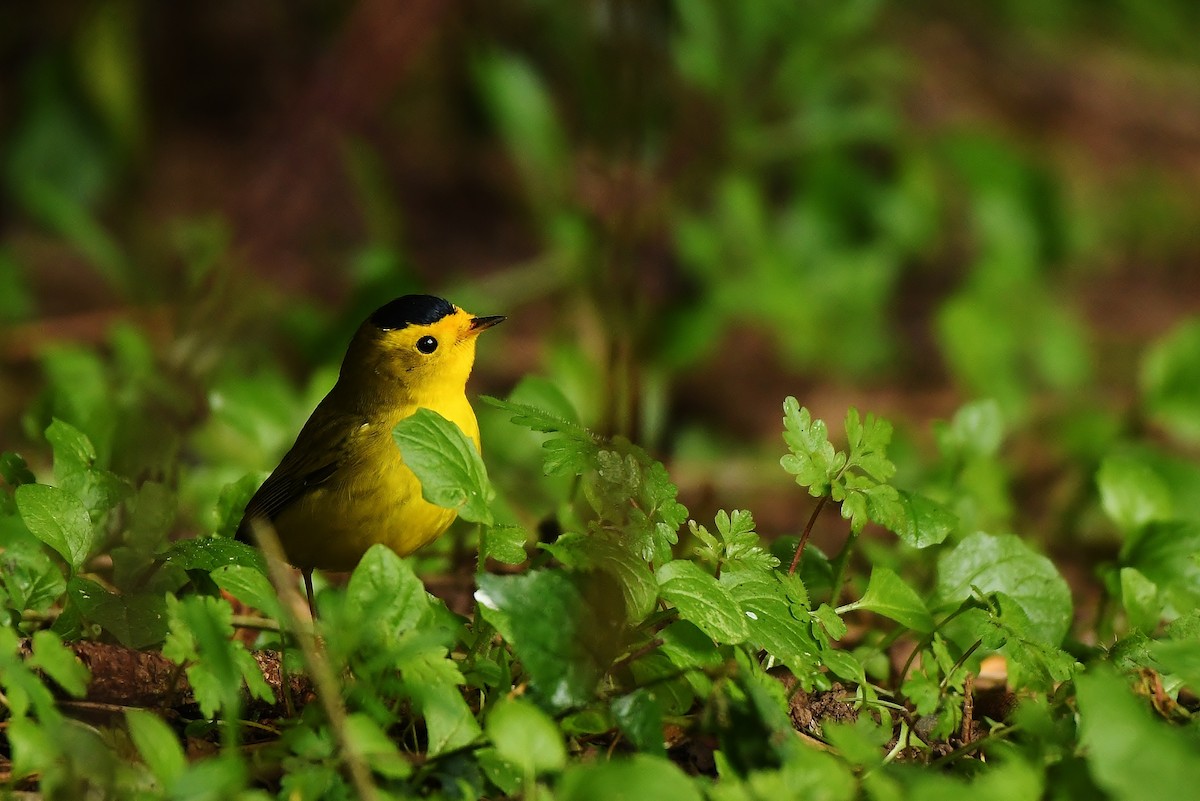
{"x": 417, "y": 347}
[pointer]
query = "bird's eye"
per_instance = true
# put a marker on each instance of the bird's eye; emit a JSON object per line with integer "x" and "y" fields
{"x": 427, "y": 344}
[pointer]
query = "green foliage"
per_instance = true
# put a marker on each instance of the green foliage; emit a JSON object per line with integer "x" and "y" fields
{"x": 689, "y": 176}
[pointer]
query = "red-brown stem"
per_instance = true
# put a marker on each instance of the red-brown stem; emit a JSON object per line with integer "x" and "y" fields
{"x": 807, "y": 531}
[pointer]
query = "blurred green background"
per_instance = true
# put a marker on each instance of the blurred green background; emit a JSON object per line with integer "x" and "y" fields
{"x": 688, "y": 208}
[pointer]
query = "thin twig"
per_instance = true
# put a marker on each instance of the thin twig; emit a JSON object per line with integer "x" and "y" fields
{"x": 968, "y": 718}
{"x": 807, "y": 532}
{"x": 314, "y": 659}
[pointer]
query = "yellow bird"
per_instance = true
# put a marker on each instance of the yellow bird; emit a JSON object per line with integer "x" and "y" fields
{"x": 344, "y": 486}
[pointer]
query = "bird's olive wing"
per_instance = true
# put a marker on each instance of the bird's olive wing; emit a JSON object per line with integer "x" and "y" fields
{"x": 283, "y": 488}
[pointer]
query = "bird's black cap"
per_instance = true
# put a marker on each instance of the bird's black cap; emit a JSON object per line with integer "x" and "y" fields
{"x": 411, "y": 310}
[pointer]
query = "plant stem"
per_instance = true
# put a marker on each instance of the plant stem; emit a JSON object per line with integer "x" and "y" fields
{"x": 839, "y": 574}
{"x": 318, "y": 666}
{"x": 807, "y": 532}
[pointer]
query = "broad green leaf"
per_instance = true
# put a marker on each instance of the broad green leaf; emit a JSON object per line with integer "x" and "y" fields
{"x": 776, "y": 609}
{"x": 1131, "y": 755}
{"x": 29, "y": 574}
{"x": 921, "y": 521}
{"x": 249, "y": 586}
{"x": 639, "y": 776}
{"x": 1166, "y": 554}
{"x": 598, "y": 551}
{"x": 447, "y": 463}
{"x": 372, "y": 743}
{"x": 1139, "y": 596}
{"x": 57, "y": 518}
{"x": 703, "y": 600}
{"x": 1132, "y": 493}
{"x": 1006, "y": 564}
{"x": 640, "y": 717}
{"x": 503, "y": 543}
{"x": 1171, "y": 381}
{"x": 206, "y": 554}
{"x": 978, "y": 428}
{"x": 449, "y": 722}
{"x": 526, "y": 736}
{"x": 158, "y": 745}
{"x": 59, "y": 663}
{"x": 1179, "y": 658}
{"x": 137, "y": 620}
{"x": 831, "y": 621}
{"x": 388, "y": 592}
{"x": 551, "y": 631}
{"x": 888, "y": 595}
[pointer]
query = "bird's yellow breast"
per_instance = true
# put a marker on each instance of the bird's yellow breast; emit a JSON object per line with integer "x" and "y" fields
{"x": 372, "y": 498}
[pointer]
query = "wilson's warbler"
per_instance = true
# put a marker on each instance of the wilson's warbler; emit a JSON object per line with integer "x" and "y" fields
{"x": 343, "y": 486}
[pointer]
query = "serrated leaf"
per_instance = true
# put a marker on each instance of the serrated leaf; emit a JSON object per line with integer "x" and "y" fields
{"x": 157, "y": 744}
{"x": 448, "y": 465}
{"x": 1006, "y": 564}
{"x": 777, "y": 618}
{"x": 888, "y": 595}
{"x": 598, "y": 551}
{"x": 504, "y": 543}
{"x": 57, "y": 518}
{"x": 834, "y": 626}
{"x": 387, "y": 591}
{"x": 526, "y": 736}
{"x": 703, "y": 600}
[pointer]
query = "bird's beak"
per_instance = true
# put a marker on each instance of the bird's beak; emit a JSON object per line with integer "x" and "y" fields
{"x": 480, "y": 323}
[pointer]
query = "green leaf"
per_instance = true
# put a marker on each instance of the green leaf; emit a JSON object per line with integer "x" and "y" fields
{"x": 1179, "y": 658}
{"x": 59, "y": 519}
{"x": 639, "y": 776}
{"x": 504, "y": 543}
{"x": 158, "y": 745}
{"x": 1006, "y": 564}
{"x": 831, "y": 621}
{"x": 1166, "y": 553}
{"x": 813, "y": 460}
{"x": 1139, "y": 596}
{"x": 14, "y": 470}
{"x": 977, "y": 428}
{"x": 921, "y": 521}
{"x": 703, "y": 600}
{"x": 777, "y": 615}
{"x": 1132, "y": 493}
{"x": 206, "y": 554}
{"x": 137, "y": 620}
{"x": 372, "y": 743}
{"x": 888, "y": 595}
{"x": 59, "y": 663}
{"x": 449, "y": 722}
{"x": 526, "y": 736}
{"x": 1129, "y": 754}
{"x": 217, "y": 666}
{"x": 447, "y": 463}
{"x": 249, "y": 586}
{"x": 639, "y": 715}
{"x": 550, "y": 629}
{"x": 599, "y": 551}
{"x": 387, "y": 592}
{"x": 1171, "y": 381}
